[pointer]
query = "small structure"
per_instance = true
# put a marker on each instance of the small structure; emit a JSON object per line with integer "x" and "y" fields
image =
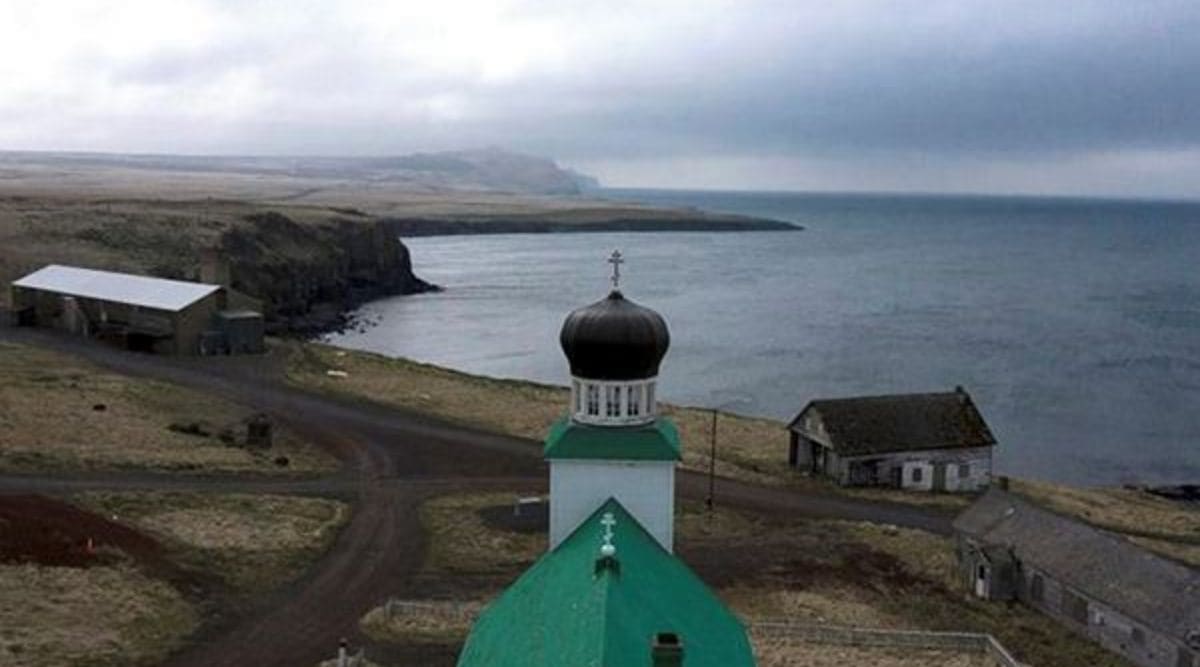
{"x": 137, "y": 312}
{"x": 1129, "y": 600}
{"x": 927, "y": 442}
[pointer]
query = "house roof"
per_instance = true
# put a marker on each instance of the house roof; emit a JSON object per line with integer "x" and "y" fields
{"x": 656, "y": 441}
{"x": 157, "y": 293}
{"x": 899, "y": 422}
{"x": 1157, "y": 591}
{"x": 569, "y": 609}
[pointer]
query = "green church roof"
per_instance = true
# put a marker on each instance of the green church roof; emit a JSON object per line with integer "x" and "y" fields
{"x": 656, "y": 441}
{"x": 570, "y": 610}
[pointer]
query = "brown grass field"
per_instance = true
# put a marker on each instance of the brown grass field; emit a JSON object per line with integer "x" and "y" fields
{"x": 49, "y": 421}
{"x": 97, "y": 616}
{"x": 252, "y": 543}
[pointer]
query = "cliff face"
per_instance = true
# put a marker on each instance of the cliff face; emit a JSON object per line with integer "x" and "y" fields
{"x": 310, "y": 275}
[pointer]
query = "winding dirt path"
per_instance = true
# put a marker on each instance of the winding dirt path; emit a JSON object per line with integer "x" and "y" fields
{"x": 392, "y": 460}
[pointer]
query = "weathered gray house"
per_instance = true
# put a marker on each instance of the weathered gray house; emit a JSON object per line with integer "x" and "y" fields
{"x": 137, "y": 312}
{"x": 928, "y": 442}
{"x": 1131, "y": 601}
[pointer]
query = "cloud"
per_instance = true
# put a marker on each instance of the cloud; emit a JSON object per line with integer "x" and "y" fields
{"x": 877, "y": 93}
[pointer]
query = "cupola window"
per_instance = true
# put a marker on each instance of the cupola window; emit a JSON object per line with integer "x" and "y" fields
{"x": 634, "y": 407}
{"x": 612, "y": 401}
{"x": 593, "y": 399}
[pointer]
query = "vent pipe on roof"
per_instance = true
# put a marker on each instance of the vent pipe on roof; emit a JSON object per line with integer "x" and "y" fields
{"x": 666, "y": 650}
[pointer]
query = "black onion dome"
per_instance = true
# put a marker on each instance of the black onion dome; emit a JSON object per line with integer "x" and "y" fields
{"x": 614, "y": 339}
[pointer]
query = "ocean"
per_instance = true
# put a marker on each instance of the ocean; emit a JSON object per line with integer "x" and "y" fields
{"x": 1075, "y": 324}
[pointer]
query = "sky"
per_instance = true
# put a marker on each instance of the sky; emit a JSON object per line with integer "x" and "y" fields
{"x": 1078, "y": 97}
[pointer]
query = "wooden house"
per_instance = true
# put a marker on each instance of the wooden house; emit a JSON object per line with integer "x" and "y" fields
{"x": 927, "y": 442}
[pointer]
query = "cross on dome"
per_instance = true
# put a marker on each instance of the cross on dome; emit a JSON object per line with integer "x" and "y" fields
{"x": 616, "y": 260}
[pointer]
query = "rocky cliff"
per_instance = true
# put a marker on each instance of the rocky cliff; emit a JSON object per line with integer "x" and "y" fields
{"x": 311, "y": 275}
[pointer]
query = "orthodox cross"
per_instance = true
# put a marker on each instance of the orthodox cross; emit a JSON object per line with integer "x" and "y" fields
{"x": 608, "y": 522}
{"x": 616, "y": 260}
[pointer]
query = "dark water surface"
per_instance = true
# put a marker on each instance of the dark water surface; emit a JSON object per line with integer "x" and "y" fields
{"x": 1075, "y": 324}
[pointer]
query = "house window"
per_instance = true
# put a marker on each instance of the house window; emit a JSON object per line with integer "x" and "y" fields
{"x": 1138, "y": 636}
{"x": 1037, "y": 588}
{"x": 612, "y": 401}
{"x": 917, "y": 474}
{"x": 593, "y": 399}
{"x": 964, "y": 470}
{"x": 634, "y": 407}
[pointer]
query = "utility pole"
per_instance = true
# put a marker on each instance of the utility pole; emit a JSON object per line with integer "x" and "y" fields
{"x": 712, "y": 460}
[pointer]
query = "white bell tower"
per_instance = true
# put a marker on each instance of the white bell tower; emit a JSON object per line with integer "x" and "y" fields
{"x": 612, "y": 443}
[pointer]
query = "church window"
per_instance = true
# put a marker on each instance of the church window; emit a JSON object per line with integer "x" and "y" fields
{"x": 612, "y": 401}
{"x": 634, "y": 394}
{"x": 593, "y": 399}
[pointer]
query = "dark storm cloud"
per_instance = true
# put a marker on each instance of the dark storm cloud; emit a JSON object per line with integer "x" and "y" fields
{"x": 1094, "y": 87}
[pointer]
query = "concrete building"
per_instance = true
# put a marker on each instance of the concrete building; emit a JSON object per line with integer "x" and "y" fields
{"x": 1129, "y": 600}
{"x": 137, "y": 312}
{"x": 926, "y": 442}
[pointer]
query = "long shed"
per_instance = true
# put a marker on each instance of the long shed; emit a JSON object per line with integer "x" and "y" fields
{"x": 1129, "y": 600}
{"x": 137, "y": 312}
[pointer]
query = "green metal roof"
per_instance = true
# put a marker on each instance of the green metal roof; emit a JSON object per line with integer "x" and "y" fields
{"x": 656, "y": 441}
{"x": 566, "y": 611}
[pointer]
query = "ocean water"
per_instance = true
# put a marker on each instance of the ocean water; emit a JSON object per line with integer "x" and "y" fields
{"x": 1074, "y": 324}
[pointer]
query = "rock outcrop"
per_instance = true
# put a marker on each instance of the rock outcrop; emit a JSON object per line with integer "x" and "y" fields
{"x": 311, "y": 275}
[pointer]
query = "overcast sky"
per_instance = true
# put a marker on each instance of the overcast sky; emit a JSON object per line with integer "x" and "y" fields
{"x": 1044, "y": 96}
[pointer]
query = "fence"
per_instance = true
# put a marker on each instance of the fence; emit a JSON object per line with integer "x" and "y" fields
{"x": 916, "y": 639}
{"x": 973, "y": 642}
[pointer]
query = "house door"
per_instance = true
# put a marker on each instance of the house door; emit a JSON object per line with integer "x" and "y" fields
{"x": 981, "y": 581}
{"x": 939, "y": 477}
{"x": 818, "y": 458}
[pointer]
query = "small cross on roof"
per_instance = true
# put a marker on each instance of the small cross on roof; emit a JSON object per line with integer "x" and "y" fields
{"x": 616, "y": 260}
{"x": 608, "y": 522}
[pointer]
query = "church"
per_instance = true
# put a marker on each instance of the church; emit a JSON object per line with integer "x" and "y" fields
{"x": 610, "y": 592}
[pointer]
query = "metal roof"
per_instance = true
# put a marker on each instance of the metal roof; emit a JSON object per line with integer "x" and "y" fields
{"x": 1161, "y": 593}
{"x": 900, "y": 422}
{"x": 158, "y": 293}
{"x": 575, "y": 607}
{"x": 657, "y": 441}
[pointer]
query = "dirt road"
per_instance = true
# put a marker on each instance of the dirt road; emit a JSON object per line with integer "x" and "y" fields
{"x": 392, "y": 460}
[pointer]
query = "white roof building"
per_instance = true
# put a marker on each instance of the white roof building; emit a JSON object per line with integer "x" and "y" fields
{"x": 144, "y": 291}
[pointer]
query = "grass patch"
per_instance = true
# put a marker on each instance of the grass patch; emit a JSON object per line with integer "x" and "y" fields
{"x": 432, "y": 623}
{"x": 88, "y": 616}
{"x": 58, "y": 412}
{"x": 253, "y": 543}
{"x": 460, "y": 541}
{"x": 774, "y": 652}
